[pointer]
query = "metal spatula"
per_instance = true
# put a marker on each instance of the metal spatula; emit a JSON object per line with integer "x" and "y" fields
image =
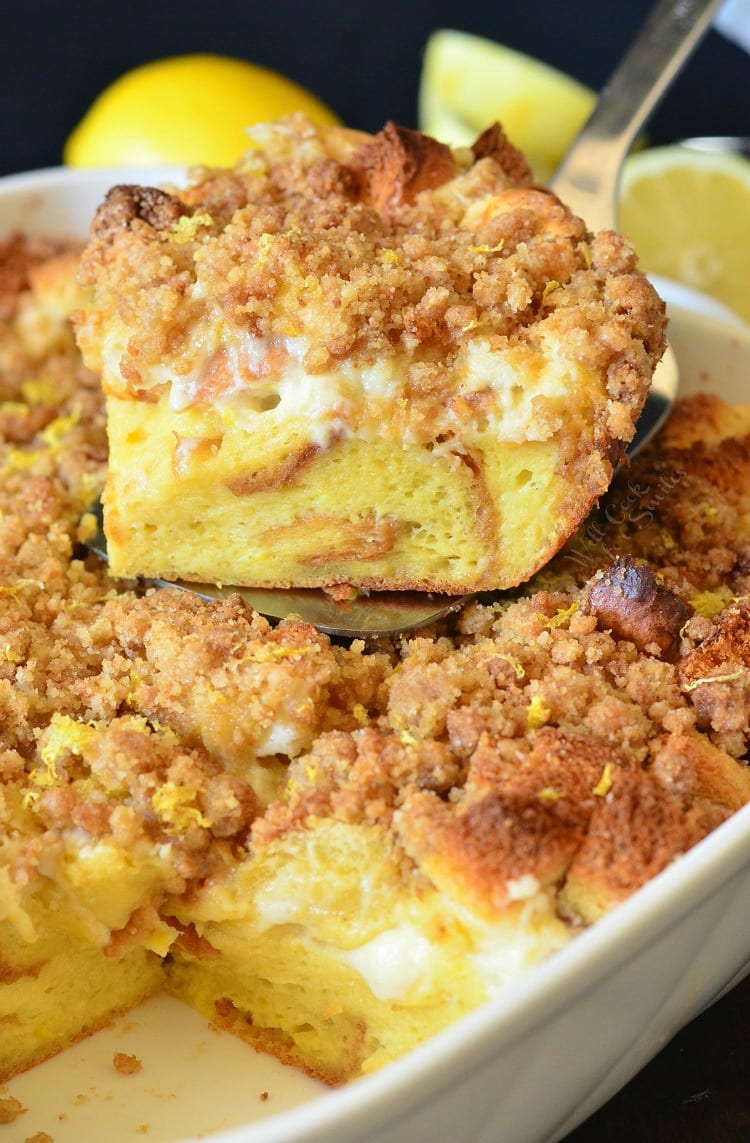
{"x": 587, "y": 182}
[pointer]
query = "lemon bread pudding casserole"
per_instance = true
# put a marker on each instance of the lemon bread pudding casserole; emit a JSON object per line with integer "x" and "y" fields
{"x": 333, "y": 850}
{"x": 359, "y": 361}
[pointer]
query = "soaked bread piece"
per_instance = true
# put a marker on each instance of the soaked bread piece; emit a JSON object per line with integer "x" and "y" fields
{"x": 364, "y": 361}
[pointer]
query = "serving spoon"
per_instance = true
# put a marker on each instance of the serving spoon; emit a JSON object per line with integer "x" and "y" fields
{"x": 587, "y": 182}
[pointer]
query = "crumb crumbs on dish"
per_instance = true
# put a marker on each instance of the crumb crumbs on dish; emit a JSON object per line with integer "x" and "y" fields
{"x": 10, "y": 1109}
{"x": 126, "y": 1065}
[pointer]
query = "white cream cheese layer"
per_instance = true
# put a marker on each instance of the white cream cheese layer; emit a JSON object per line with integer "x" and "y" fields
{"x": 403, "y": 957}
{"x": 392, "y": 962}
{"x": 487, "y": 388}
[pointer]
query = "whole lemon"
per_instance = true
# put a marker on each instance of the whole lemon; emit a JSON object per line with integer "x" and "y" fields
{"x": 185, "y": 110}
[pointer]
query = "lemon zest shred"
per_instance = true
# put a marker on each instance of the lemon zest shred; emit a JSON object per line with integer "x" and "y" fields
{"x": 173, "y": 805}
{"x": 389, "y": 256}
{"x": 265, "y": 242}
{"x": 187, "y": 226}
{"x": 728, "y": 678}
{"x": 537, "y": 713}
{"x": 562, "y": 615}
{"x": 709, "y": 604}
{"x": 604, "y": 785}
{"x": 13, "y": 589}
{"x": 66, "y": 735}
{"x": 56, "y": 431}
{"x": 360, "y": 714}
{"x": 45, "y": 779}
{"x": 483, "y": 249}
{"x": 18, "y": 460}
{"x": 519, "y": 669}
{"x": 272, "y": 653}
{"x": 40, "y": 391}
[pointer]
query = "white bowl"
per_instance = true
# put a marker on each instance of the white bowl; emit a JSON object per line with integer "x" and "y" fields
{"x": 528, "y": 1066}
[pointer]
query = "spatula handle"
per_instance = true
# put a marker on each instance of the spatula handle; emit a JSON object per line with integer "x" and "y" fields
{"x": 588, "y": 177}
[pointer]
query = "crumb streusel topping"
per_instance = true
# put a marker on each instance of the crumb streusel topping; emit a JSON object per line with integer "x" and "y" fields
{"x": 584, "y": 730}
{"x": 418, "y": 275}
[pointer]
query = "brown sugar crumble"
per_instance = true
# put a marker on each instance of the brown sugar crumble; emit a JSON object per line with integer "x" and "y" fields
{"x": 10, "y": 1109}
{"x": 556, "y": 663}
{"x": 127, "y": 1065}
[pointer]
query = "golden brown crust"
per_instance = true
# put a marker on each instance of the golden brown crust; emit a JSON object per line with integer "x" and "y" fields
{"x": 20, "y": 256}
{"x": 637, "y": 830}
{"x": 628, "y": 600}
{"x": 691, "y": 766}
{"x": 232, "y": 1019}
{"x": 397, "y": 165}
{"x": 477, "y": 853}
{"x": 716, "y": 674}
{"x": 704, "y": 419}
{"x": 494, "y": 144}
{"x": 125, "y": 204}
{"x": 726, "y": 650}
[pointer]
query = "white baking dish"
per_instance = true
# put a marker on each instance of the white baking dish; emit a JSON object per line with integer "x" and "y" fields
{"x": 526, "y": 1067}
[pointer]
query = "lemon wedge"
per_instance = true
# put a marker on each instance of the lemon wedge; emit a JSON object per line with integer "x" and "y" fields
{"x": 185, "y": 110}
{"x": 688, "y": 215}
{"x": 468, "y": 82}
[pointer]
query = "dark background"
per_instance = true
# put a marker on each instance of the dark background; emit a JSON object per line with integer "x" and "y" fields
{"x": 362, "y": 59}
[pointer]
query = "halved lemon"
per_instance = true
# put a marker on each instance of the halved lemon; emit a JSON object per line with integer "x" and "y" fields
{"x": 185, "y": 110}
{"x": 468, "y": 82}
{"x": 688, "y": 214}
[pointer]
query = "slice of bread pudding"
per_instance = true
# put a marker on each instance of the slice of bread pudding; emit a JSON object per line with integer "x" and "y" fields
{"x": 357, "y": 360}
